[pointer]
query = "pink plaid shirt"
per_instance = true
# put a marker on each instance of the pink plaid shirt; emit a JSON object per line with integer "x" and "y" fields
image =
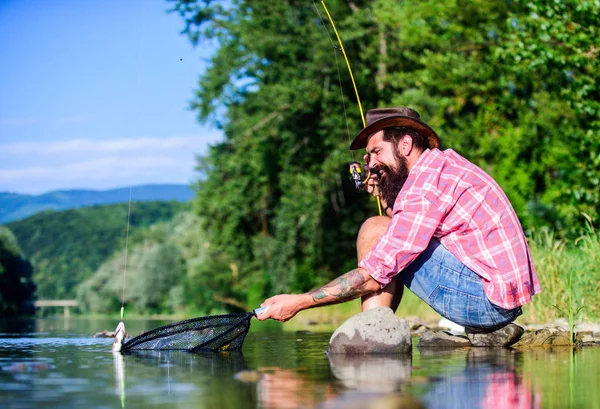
{"x": 449, "y": 198}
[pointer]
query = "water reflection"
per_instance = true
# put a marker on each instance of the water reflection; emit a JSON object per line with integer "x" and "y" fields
{"x": 68, "y": 368}
{"x": 119, "y": 363}
{"x": 376, "y": 381}
{"x": 478, "y": 378}
{"x": 161, "y": 377}
{"x": 16, "y": 327}
{"x": 371, "y": 373}
{"x": 280, "y": 388}
{"x": 467, "y": 378}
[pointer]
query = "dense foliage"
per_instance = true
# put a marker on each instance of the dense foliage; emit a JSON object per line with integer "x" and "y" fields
{"x": 17, "y": 289}
{"x": 513, "y": 86}
{"x": 170, "y": 269}
{"x": 66, "y": 247}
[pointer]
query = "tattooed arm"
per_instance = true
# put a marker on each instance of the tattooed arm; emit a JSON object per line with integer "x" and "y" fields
{"x": 347, "y": 287}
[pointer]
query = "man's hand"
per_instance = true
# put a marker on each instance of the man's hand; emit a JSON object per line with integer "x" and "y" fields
{"x": 349, "y": 286}
{"x": 372, "y": 185}
{"x": 283, "y": 307}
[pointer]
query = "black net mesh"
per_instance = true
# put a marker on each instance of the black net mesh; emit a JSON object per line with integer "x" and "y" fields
{"x": 215, "y": 333}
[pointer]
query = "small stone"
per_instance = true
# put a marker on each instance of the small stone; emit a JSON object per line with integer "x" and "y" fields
{"x": 502, "y": 337}
{"x": 443, "y": 339}
{"x": 587, "y": 338}
{"x": 376, "y": 331}
{"x": 587, "y": 327}
{"x": 104, "y": 334}
{"x": 545, "y": 337}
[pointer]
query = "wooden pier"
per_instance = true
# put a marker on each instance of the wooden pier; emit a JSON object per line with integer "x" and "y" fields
{"x": 66, "y": 304}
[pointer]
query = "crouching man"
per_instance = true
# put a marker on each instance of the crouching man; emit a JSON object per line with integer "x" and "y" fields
{"x": 450, "y": 235}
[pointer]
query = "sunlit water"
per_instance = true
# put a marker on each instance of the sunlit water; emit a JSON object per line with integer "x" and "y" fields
{"x": 56, "y": 363}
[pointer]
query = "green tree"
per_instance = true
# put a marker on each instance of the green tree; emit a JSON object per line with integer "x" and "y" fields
{"x": 17, "y": 290}
{"x": 552, "y": 47}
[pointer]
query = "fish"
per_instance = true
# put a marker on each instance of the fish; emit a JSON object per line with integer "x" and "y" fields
{"x": 119, "y": 337}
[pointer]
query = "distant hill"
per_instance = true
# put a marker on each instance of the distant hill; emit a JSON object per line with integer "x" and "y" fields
{"x": 66, "y": 247}
{"x": 15, "y": 206}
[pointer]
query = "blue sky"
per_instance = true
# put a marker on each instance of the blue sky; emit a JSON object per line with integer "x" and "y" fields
{"x": 94, "y": 94}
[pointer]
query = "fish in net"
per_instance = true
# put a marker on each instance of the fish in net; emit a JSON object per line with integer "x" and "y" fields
{"x": 224, "y": 332}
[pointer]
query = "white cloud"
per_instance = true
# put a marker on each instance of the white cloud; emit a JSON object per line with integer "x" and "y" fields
{"x": 37, "y": 167}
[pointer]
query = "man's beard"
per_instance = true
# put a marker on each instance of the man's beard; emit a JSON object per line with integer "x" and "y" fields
{"x": 393, "y": 181}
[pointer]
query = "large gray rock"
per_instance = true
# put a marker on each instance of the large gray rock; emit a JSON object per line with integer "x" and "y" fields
{"x": 377, "y": 331}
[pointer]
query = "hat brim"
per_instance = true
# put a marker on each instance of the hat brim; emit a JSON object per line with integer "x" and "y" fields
{"x": 362, "y": 138}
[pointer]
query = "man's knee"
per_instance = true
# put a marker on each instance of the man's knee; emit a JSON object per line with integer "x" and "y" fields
{"x": 370, "y": 232}
{"x": 373, "y": 228}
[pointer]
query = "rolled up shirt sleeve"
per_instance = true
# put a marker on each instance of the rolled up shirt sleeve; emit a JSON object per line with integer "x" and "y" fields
{"x": 415, "y": 220}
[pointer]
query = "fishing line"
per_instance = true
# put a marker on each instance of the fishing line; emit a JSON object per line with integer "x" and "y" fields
{"x": 337, "y": 66}
{"x": 347, "y": 63}
{"x": 341, "y": 47}
{"x": 126, "y": 252}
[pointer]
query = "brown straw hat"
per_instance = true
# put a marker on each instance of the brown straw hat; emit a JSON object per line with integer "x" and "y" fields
{"x": 381, "y": 118}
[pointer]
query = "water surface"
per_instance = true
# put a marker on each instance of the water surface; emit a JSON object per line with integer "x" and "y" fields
{"x": 56, "y": 363}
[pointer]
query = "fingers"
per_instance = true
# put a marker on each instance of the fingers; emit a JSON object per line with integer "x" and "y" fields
{"x": 264, "y": 313}
{"x": 372, "y": 185}
{"x": 280, "y": 307}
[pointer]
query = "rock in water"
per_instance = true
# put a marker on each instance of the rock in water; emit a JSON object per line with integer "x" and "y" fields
{"x": 377, "y": 331}
{"x": 501, "y": 337}
{"x": 443, "y": 339}
{"x": 547, "y": 337}
{"x": 104, "y": 334}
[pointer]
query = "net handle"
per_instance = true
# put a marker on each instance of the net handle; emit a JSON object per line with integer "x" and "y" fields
{"x": 260, "y": 310}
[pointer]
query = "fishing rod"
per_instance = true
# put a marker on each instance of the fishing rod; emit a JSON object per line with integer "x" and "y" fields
{"x": 359, "y": 176}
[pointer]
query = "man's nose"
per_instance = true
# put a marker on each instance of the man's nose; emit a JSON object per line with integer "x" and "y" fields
{"x": 374, "y": 163}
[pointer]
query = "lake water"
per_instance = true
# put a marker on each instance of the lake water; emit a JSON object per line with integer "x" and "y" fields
{"x": 57, "y": 363}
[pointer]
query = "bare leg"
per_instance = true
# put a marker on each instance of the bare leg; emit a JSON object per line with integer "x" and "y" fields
{"x": 369, "y": 234}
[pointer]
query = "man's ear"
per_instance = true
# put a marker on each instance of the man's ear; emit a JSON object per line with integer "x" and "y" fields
{"x": 406, "y": 145}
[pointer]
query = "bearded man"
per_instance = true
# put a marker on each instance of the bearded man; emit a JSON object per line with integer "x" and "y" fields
{"x": 450, "y": 235}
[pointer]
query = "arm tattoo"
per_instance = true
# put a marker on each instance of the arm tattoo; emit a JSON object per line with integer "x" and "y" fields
{"x": 344, "y": 288}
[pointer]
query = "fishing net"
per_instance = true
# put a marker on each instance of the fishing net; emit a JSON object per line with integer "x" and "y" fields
{"x": 214, "y": 333}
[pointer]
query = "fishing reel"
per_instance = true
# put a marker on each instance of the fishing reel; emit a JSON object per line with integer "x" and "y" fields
{"x": 359, "y": 175}
{"x": 360, "y": 178}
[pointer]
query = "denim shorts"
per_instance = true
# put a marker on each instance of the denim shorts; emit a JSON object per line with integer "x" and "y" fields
{"x": 453, "y": 290}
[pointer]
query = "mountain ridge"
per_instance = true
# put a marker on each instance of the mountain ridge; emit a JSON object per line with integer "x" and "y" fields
{"x": 16, "y": 206}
